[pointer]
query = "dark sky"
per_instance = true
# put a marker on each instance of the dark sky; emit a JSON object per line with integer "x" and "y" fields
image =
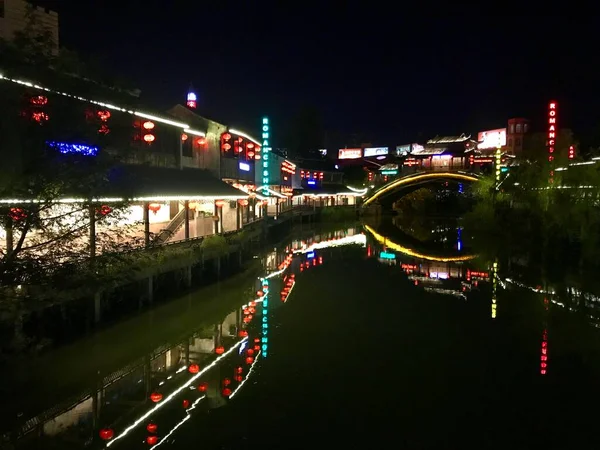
{"x": 375, "y": 71}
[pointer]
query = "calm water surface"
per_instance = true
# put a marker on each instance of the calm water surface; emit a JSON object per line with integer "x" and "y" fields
{"x": 364, "y": 337}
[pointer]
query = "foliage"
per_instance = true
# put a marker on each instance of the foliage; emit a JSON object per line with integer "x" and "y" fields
{"x": 50, "y": 237}
{"x": 531, "y": 218}
{"x": 416, "y": 202}
{"x": 215, "y": 244}
{"x": 535, "y": 146}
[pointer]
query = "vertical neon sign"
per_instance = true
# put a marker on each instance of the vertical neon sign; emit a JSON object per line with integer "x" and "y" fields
{"x": 498, "y": 162}
{"x": 552, "y": 134}
{"x": 494, "y": 288}
{"x": 265, "y": 151}
{"x": 265, "y": 319}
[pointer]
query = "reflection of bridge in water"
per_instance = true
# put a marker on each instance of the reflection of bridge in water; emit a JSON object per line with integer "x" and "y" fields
{"x": 444, "y": 274}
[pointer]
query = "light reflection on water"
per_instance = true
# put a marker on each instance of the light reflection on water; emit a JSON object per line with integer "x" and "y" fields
{"x": 122, "y": 404}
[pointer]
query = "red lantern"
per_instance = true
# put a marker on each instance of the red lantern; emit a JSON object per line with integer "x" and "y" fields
{"x": 151, "y": 427}
{"x": 256, "y": 348}
{"x": 186, "y": 404}
{"x": 194, "y": 368}
{"x": 239, "y": 378}
{"x": 149, "y": 138}
{"x": 156, "y": 397}
{"x": 249, "y": 317}
{"x": 226, "y": 136}
{"x": 243, "y": 202}
{"x": 152, "y": 440}
{"x": 201, "y": 142}
{"x": 106, "y": 434}
{"x": 226, "y": 147}
{"x": 246, "y": 311}
{"x": 250, "y": 145}
{"x": 250, "y": 352}
{"x": 256, "y": 339}
{"x": 249, "y": 360}
{"x": 239, "y": 369}
{"x": 154, "y": 207}
{"x": 184, "y": 137}
{"x": 220, "y": 350}
{"x": 148, "y": 125}
{"x": 260, "y": 293}
{"x": 17, "y": 214}
{"x": 243, "y": 333}
{"x": 203, "y": 387}
{"x": 220, "y": 203}
{"x": 226, "y": 392}
{"x": 226, "y": 382}
{"x": 104, "y": 210}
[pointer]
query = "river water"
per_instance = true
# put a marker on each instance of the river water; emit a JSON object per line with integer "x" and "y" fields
{"x": 365, "y": 336}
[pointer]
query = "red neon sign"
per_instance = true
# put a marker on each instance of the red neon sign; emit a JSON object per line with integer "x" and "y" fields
{"x": 552, "y": 129}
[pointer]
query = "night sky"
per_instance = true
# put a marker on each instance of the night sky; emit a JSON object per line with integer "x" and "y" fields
{"x": 372, "y": 72}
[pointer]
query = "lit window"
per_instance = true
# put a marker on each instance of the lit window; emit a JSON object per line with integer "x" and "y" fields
{"x": 525, "y": 127}
{"x": 518, "y": 128}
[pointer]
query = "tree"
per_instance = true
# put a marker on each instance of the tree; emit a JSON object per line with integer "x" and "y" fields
{"x": 535, "y": 146}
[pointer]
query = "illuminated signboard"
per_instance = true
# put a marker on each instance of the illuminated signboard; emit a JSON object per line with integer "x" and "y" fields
{"x": 350, "y": 153}
{"x": 403, "y": 150}
{"x": 386, "y": 255}
{"x": 552, "y": 129}
{"x": 265, "y": 151}
{"x": 416, "y": 148}
{"x": 492, "y": 138}
{"x": 244, "y": 166}
{"x": 376, "y": 151}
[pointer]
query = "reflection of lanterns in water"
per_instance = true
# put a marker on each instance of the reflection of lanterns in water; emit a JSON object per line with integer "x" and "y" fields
{"x": 249, "y": 360}
{"x": 250, "y": 352}
{"x": 151, "y": 427}
{"x": 194, "y": 368}
{"x": 220, "y": 350}
{"x": 203, "y": 387}
{"x": 226, "y": 392}
{"x": 226, "y": 382}
{"x": 239, "y": 378}
{"x": 239, "y": 370}
{"x": 156, "y": 397}
{"x": 152, "y": 440}
{"x": 106, "y": 434}
{"x": 186, "y": 404}
{"x": 154, "y": 207}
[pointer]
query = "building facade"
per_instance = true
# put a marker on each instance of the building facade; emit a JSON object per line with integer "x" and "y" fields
{"x": 515, "y": 134}
{"x": 14, "y": 17}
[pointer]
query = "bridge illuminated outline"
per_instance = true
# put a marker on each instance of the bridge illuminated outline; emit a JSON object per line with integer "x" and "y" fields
{"x": 409, "y": 179}
{"x": 407, "y": 251}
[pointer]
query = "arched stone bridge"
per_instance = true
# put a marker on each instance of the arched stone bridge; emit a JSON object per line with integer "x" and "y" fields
{"x": 416, "y": 179}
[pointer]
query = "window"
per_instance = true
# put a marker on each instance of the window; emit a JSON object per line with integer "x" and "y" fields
{"x": 525, "y": 127}
{"x": 518, "y": 128}
{"x": 511, "y": 128}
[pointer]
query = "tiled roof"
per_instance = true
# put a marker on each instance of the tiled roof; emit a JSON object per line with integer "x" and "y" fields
{"x": 449, "y": 139}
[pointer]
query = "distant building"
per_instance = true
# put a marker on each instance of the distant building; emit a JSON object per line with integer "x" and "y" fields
{"x": 13, "y": 18}
{"x": 517, "y": 128}
{"x": 441, "y": 153}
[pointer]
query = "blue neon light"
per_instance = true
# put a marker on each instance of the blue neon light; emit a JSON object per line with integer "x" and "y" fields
{"x": 66, "y": 148}
{"x": 312, "y": 182}
{"x": 245, "y": 167}
{"x": 310, "y": 255}
{"x": 386, "y": 255}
